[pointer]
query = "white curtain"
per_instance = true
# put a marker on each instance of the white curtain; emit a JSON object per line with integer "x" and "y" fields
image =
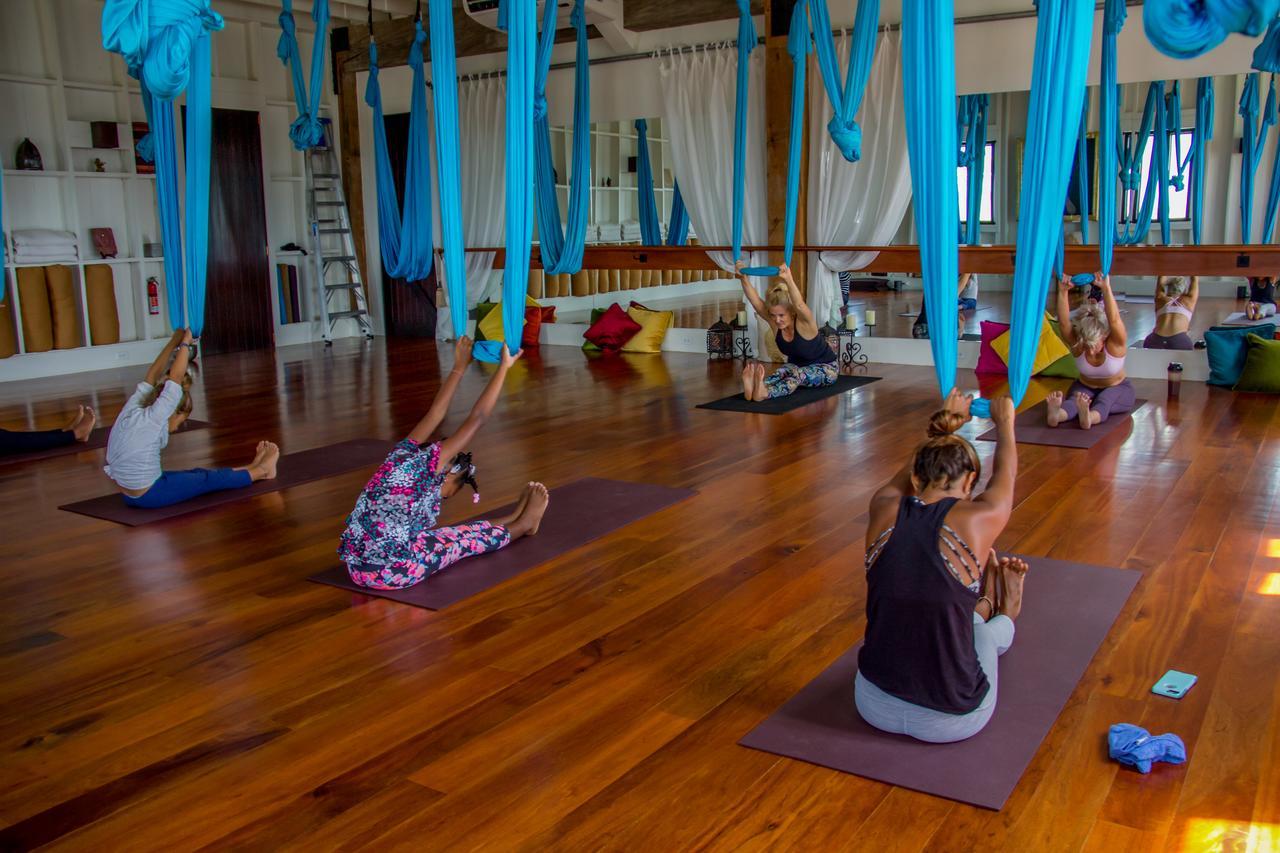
{"x": 858, "y": 204}
{"x": 482, "y": 130}
{"x": 699, "y": 91}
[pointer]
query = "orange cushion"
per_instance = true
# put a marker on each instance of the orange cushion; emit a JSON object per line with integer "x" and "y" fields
{"x": 8, "y": 336}
{"x": 33, "y": 301}
{"x": 100, "y": 293}
{"x": 62, "y": 307}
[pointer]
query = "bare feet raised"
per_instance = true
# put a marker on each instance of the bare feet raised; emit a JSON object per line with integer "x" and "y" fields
{"x": 507, "y": 521}
{"x": 749, "y": 380}
{"x": 762, "y": 390}
{"x": 1056, "y": 415}
{"x": 1085, "y": 415}
{"x": 263, "y": 466}
{"x": 529, "y": 521}
{"x": 83, "y": 423}
{"x": 1013, "y": 572}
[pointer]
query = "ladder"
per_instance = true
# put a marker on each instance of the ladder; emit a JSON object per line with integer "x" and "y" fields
{"x": 335, "y": 268}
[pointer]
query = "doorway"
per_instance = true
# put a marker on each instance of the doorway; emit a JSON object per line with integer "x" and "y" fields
{"x": 410, "y": 305}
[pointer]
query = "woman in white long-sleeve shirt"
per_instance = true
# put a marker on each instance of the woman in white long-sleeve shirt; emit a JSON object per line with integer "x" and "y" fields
{"x": 141, "y": 433}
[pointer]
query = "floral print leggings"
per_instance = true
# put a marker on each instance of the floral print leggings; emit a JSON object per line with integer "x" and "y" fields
{"x": 786, "y": 379}
{"x": 434, "y": 551}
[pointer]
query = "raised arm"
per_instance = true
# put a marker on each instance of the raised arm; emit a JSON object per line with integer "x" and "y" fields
{"x": 1064, "y": 312}
{"x": 1118, "y": 337}
{"x": 803, "y": 314}
{"x": 998, "y": 496}
{"x": 481, "y": 410}
{"x": 440, "y": 405}
{"x": 155, "y": 372}
{"x": 178, "y": 370}
{"x": 757, "y": 304}
{"x": 1193, "y": 294}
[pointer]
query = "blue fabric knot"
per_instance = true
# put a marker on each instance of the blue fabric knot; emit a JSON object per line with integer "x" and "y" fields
{"x": 747, "y": 38}
{"x": 1082, "y": 279}
{"x": 415, "y": 50}
{"x": 306, "y": 132}
{"x": 1177, "y": 182}
{"x": 539, "y": 106}
{"x": 156, "y": 39}
{"x": 847, "y": 137}
{"x": 1138, "y": 748}
{"x": 1185, "y": 29}
{"x": 287, "y": 44}
{"x": 576, "y": 17}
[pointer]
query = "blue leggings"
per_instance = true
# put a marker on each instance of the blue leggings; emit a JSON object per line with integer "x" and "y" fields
{"x": 174, "y": 487}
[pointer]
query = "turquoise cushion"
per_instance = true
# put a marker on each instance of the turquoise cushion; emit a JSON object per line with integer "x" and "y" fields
{"x": 1261, "y": 372}
{"x": 1227, "y": 347}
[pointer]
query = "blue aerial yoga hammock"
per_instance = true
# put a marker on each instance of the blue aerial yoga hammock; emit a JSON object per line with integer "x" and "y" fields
{"x": 166, "y": 47}
{"x": 650, "y": 228}
{"x": 1109, "y": 121}
{"x": 929, "y": 96}
{"x": 405, "y": 243}
{"x": 799, "y": 46}
{"x": 562, "y": 250}
{"x": 306, "y": 130}
{"x": 1204, "y": 132}
{"x": 517, "y": 17}
{"x": 1063, "y": 32}
{"x": 1082, "y": 170}
{"x": 1255, "y": 139}
{"x": 746, "y": 44}
{"x": 846, "y": 100}
{"x": 1135, "y": 217}
{"x": 448, "y": 153}
{"x": 972, "y": 128}
{"x": 1185, "y": 29}
{"x": 678, "y": 224}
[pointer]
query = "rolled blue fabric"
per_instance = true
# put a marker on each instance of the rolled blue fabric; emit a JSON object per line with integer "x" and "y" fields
{"x": 1063, "y": 33}
{"x": 1138, "y": 748}
{"x": 306, "y": 130}
{"x": 444, "y": 73}
{"x": 1185, "y": 29}
{"x": 1083, "y": 279}
{"x": 929, "y": 95}
{"x": 650, "y": 228}
{"x": 980, "y": 408}
{"x": 158, "y": 39}
{"x": 846, "y": 99}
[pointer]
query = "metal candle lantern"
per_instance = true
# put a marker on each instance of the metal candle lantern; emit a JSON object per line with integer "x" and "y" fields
{"x": 720, "y": 340}
{"x": 831, "y": 336}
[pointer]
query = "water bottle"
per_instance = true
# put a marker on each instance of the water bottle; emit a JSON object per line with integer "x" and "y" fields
{"x": 1175, "y": 380}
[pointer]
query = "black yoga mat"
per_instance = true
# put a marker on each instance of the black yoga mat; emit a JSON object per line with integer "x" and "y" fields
{"x": 97, "y": 439}
{"x": 1067, "y": 611}
{"x": 578, "y": 513}
{"x": 1031, "y": 428}
{"x": 802, "y": 397}
{"x": 294, "y": 469}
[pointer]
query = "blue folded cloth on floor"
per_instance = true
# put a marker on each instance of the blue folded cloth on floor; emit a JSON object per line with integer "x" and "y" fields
{"x": 1137, "y": 747}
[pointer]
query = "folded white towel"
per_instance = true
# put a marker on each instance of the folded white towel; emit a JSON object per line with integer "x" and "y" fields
{"x": 42, "y": 237}
{"x": 23, "y": 257}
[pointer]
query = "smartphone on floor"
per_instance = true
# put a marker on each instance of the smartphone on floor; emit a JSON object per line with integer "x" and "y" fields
{"x": 1174, "y": 684}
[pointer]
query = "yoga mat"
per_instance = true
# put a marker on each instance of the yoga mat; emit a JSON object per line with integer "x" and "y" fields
{"x": 97, "y": 439}
{"x": 1031, "y": 428}
{"x": 1067, "y": 612}
{"x": 802, "y": 397}
{"x": 579, "y": 512}
{"x": 294, "y": 469}
{"x": 1239, "y": 319}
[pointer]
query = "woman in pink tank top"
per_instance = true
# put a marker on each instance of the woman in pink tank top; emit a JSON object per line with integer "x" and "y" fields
{"x": 1098, "y": 340}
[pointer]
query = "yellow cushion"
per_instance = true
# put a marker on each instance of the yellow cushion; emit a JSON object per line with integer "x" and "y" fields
{"x": 37, "y": 317}
{"x": 100, "y": 292}
{"x": 8, "y": 336}
{"x": 653, "y": 329}
{"x": 62, "y": 307}
{"x": 490, "y": 325}
{"x": 1050, "y": 350}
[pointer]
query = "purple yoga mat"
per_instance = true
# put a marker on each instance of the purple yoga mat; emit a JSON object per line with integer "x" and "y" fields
{"x": 1067, "y": 611}
{"x": 294, "y": 470}
{"x": 1031, "y": 428}
{"x": 579, "y": 512}
{"x": 97, "y": 439}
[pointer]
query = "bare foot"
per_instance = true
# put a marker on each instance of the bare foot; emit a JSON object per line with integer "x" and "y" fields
{"x": 1055, "y": 408}
{"x": 762, "y": 390}
{"x": 529, "y": 521}
{"x": 84, "y": 428}
{"x": 1013, "y": 572}
{"x": 507, "y": 521}
{"x": 1085, "y": 416}
{"x": 264, "y": 465}
{"x": 748, "y": 380}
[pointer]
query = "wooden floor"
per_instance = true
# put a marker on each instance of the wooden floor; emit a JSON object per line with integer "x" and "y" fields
{"x": 181, "y": 686}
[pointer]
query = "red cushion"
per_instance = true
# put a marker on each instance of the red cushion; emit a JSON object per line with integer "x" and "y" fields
{"x": 548, "y": 313}
{"x": 532, "y": 325}
{"x": 988, "y": 360}
{"x": 612, "y": 330}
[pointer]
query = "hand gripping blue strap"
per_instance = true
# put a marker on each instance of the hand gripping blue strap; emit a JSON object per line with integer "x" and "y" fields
{"x": 561, "y": 251}
{"x": 520, "y": 19}
{"x": 650, "y": 228}
{"x": 1063, "y": 32}
{"x": 1083, "y": 279}
{"x": 1204, "y": 132}
{"x": 746, "y": 44}
{"x": 405, "y": 242}
{"x": 1138, "y": 748}
{"x": 847, "y": 99}
{"x": 929, "y": 96}
{"x": 306, "y": 130}
{"x": 166, "y": 47}
{"x": 448, "y": 158}
{"x": 1109, "y": 139}
{"x": 1254, "y": 141}
{"x": 1185, "y": 29}
{"x": 972, "y": 129}
{"x": 678, "y": 224}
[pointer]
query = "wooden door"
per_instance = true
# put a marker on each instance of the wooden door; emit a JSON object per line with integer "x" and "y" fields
{"x": 237, "y": 313}
{"x": 410, "y": 305}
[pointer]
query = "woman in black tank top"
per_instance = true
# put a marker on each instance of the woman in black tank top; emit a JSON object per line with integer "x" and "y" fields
{"x": 810, "y": 360}
{"x": 940, "y": 604}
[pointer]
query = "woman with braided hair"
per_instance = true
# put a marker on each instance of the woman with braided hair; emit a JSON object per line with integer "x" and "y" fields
{"x": 391, "y": 541}
{"x": 940, "y": 602}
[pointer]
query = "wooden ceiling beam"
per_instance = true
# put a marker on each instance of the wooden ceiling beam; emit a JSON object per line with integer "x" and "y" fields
{"x": 641, "y": 15}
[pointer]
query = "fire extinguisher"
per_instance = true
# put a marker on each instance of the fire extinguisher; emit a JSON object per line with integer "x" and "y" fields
{"x": 153, "y": 296}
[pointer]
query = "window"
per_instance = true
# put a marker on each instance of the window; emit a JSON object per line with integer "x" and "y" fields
{"x": 987, "y": 213}
{"x": 1179, "y": 199}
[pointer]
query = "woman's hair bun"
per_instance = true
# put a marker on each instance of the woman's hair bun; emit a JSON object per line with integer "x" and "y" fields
{"x": 944, "y": 422}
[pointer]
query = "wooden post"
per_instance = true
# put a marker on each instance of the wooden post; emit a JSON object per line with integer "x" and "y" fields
{"x": 777, "y": 111}
{"x": 352, "y": 181}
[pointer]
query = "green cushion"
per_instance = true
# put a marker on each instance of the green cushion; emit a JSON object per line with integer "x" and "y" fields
{"x": 596, "y": 314}
{"x": 482, "y": 311}
{"x": 1261, "y": 372}
{"x": 1065, "y": 367}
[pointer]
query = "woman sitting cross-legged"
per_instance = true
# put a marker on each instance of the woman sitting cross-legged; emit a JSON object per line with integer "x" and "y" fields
{"x": 391, "y": 541}
{"x": 1097, "y": 338}
{"x": 1262, "y": 298}
{"x": 141, "y": 433}
{"x": 15, "y": 442}
{"x": 810, "y": 360}
{"x": 1175, "y": 303}
{"x": 940, "y": 603}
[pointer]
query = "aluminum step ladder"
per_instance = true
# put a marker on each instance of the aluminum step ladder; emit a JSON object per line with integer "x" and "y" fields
{"x": 335, "y": 267}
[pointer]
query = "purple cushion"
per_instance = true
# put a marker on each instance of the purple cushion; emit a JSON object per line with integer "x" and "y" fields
{"x": 988, "y": 360}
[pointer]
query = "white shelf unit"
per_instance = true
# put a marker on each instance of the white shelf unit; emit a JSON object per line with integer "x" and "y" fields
{"x": 55, "y": 78}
